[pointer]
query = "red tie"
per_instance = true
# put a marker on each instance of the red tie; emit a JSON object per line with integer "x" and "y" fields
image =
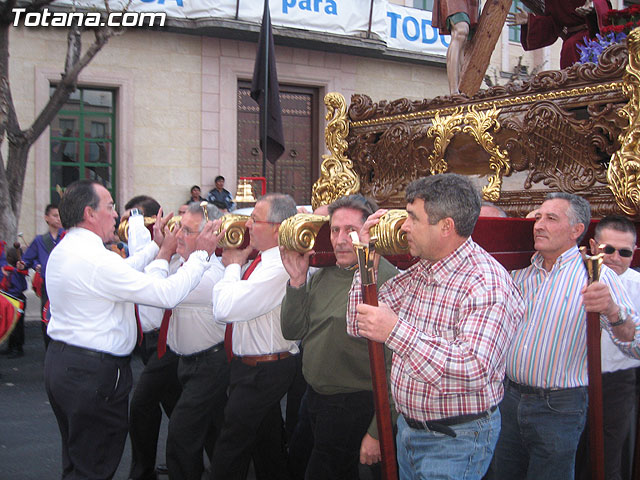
{"x": 162, "y": 336}
{"x": 140, "y": 333}
{"x": 228, "y": 331}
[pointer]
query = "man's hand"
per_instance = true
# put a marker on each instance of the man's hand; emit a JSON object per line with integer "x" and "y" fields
{"x": 296, "y": 264}
{"x": 518, "y": 18}
{"x": 235, "y": 255}
{"x": 597, "y": 298}
{"x": 158, "y": 227}
{"x": 585, "y": 9}
{"x": 208, "y": 238}
{"x": 373, "y": 219}
{"x": 168, "y": 247}
{"x": 375, "y": 323}
{"x": 370, "y": 450}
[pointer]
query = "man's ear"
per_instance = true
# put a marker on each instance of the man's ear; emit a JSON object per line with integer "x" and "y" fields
{"x": 88, "y": 213}
{"x": 447, "y": 226}
{"x": 576, "y": 230}
{"x": 593, "y": 246}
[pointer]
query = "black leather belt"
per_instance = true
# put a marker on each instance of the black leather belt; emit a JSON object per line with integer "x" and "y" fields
{"x": 529, "y": 390}
{"x": 443, "y": 425}
{"x": 89, "y": 352}
{"x": 193, "y": 356}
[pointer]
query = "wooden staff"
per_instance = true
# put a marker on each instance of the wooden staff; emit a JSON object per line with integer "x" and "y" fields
{"x": 596, "y": 442}
{"x": 377, "y": 362}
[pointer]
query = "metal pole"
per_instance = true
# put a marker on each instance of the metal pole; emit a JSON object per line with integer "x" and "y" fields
{"x": 237, "y": 8}
{"x": 265, "y": 98}
{"x": 370, "y": 20}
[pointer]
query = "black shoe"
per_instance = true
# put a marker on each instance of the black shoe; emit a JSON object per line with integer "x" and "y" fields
{"x": 162, "y": 469}
{"x": 16, "y": 354}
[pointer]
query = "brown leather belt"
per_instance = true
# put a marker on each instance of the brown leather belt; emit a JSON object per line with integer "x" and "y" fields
{"x": 253, "y": 360}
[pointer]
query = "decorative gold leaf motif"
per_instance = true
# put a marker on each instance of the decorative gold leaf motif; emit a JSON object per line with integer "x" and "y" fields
{"x": 337, "y": 176}
{"x": 623, "y": 173}
{"x": 443, "y": 129}
{"x": 478, "y": 124}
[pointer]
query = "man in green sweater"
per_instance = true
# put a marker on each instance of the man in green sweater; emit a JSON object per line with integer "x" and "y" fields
{"x": 339, "y": 398}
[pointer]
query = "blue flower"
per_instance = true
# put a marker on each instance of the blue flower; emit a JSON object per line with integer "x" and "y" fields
{"x": 592, "y": 48}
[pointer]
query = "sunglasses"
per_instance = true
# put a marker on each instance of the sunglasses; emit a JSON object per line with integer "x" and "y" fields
{"x": 623, "y": 252}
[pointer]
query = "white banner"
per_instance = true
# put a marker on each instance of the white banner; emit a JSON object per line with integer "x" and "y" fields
{"x": 401, "y": 28}
{"x": 410, "y": 29}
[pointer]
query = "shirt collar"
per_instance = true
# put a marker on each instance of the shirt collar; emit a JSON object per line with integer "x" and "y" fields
{"x": 561, "y": 262}
{"x": 441, "y": 269}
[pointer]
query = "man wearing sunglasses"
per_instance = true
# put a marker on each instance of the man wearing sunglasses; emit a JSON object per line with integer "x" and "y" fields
{"x": 615, "y": 236}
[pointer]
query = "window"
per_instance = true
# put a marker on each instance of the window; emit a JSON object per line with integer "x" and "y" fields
{"x": 514, "y": 32}
{"x": 82, "y": 140}
{"x": 423, "y": 4}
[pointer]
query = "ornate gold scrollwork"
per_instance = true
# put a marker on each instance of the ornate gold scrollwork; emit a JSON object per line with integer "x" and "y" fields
{"x": 443, "y": 129}
{"x": 391, "y": 239}
{"x": 299, "y": 232}
{"x": 337, "y": 176}
{"x": 235, "y": 226}
{"x": 623, "y": 174}
{"x": 478, "y": 124}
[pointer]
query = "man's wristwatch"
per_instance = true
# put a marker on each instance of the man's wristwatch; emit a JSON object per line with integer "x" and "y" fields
{"x": 622, "y": 317}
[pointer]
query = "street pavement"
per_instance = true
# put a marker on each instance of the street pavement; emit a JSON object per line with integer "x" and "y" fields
{"x": 29, "y": 436}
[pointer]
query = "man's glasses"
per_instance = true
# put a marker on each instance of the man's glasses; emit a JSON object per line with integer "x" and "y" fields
{"x": 263, "y": 221}
{"x": 623, "y": 252}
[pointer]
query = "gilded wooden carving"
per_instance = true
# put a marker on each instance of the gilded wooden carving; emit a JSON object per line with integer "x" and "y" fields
{"x": 337, "y": 177}
{"x": 624, "y": 169}
{"x": 299, "y": 232}
{"x": 555, "y": 132}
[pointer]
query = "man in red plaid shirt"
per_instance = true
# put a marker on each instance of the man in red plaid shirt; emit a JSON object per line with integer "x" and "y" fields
{"x": 449, "y": 320}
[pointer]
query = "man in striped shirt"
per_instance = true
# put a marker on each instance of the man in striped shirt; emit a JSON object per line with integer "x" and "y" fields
{"x": 449, "y": 320}
{"x": 545, "y": 402}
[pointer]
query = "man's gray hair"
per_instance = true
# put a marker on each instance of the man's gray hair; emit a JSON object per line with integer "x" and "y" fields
{"x": 212, "y": 211}
{"x": 356, "y": 202}
{"x": 281, "y": 206}
{"x": 579, "y": 210}
{"x": 448, "y": 195}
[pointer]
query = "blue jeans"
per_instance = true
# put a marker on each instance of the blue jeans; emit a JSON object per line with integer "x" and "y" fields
{"x": 540, "y": 434}
{"x": 425, "y": 454}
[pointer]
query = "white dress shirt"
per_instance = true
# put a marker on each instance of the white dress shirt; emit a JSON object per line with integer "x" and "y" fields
{"x": 92, "y": 291}
{"x": 612, "y": 358}
{"x": 191, "y": 327}
{"x": 253, "y": 306}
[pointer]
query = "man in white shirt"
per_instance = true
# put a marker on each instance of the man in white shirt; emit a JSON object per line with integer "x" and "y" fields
{"x": 203, "y": 370}
{"x": 615, "y": 236}
{"x": 263, "y": 365}
{"x": 93, "y": 327}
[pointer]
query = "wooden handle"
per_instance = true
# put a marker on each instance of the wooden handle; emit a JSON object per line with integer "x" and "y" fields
{"x": 381, "y": 395}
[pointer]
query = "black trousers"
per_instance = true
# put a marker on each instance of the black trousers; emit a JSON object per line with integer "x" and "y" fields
{"x": 157, "y": 389}
{"x": 197, "y": 417}
{"x": 253, "y": 421}
{"x": 338, "y": 422}
{"x": 618, "y": 398}
{"x": 16, "y": 338}
{"x": 89, "y": 395}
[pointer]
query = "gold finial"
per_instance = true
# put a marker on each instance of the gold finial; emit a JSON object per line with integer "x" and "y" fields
{"x": 203, "y": 205}
{"x": 593, "y": 263}
{"x": 244, "y": 193}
